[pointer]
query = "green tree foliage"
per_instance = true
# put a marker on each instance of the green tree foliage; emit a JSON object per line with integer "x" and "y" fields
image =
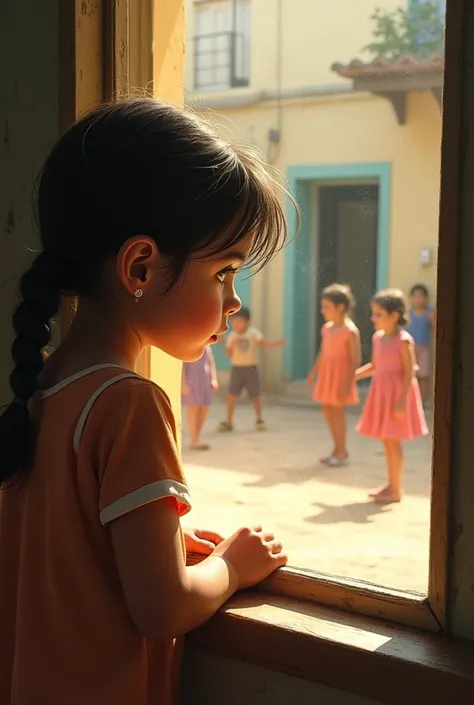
{"x": 417, "y": 31}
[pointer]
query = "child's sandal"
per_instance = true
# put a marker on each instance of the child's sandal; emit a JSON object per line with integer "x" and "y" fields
{"x": 224, "y": 426}
{"x": 336, "y": 462}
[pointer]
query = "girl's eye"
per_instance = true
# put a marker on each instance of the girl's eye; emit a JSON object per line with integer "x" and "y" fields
{"x": 224, "y": 272}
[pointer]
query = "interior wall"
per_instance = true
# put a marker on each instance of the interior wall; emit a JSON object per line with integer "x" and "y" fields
{"x": 209, "y": 679}
{"x": 29, "y": 124}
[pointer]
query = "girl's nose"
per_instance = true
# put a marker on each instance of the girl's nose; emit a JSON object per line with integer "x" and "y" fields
{"x": 232, "y": 304}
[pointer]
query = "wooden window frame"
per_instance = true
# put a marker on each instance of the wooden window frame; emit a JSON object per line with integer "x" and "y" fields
{"x": 425, "y": 612}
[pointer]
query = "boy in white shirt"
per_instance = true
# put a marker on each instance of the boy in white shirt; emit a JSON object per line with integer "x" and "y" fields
{"x": 242, "y": 346}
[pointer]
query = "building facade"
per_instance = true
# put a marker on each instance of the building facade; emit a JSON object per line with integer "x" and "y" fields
{"x": 357, "y": 141}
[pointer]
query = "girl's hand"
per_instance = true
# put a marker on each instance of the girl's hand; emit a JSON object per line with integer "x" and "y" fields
{"x": 399, "y": 411}
{"x": 214, "y": 385}
{"x": 346, "y": 390}
{"x": 310, "y": 379}
{"x": 201, "y": 541}
{"x": 253, "y": 553}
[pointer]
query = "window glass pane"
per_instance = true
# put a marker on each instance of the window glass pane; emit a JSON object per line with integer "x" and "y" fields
{"x": 344, "y": 100}
{"x": 221, "y": 44}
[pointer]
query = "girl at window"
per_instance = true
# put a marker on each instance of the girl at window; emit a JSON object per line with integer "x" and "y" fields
{"x": 145, "y": 215}
{"x": 394, "y": 410}
{"x": 335, "y": 367}
{"x": 198, "y": 384}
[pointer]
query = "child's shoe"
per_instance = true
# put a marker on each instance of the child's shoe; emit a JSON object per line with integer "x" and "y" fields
{"x": 224, "y": 427}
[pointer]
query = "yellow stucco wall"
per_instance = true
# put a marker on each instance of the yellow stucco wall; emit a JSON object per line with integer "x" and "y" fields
{"x": 168, "y": 82}
{"x": 353, "y": 128}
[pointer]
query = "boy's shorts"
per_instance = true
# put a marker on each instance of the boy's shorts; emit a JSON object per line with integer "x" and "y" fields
{"x": 244, "y": 378}
{"x": 423, "y": 360}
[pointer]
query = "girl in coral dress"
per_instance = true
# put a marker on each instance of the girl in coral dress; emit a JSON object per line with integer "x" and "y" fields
{"x": 335, "y": 367}
{"x": 394, "y": 409}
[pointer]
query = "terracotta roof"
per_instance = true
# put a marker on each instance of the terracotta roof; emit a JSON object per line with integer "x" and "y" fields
{"x": 405, "y": 65}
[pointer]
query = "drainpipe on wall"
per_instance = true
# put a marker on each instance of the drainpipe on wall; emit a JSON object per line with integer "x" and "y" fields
{"x": 273, "y": 151}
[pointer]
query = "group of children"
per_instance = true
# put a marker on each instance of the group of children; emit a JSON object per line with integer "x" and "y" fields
{"x": 393, "y": 411}
{"x": 400, "y": 368}
{"x": 200, "y": 379}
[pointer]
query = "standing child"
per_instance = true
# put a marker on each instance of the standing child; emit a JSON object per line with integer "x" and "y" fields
{"x": 145, "y": 215}
{"x": 394, "y": 410}
{"x": 335, "y": 367}
{"x": 242, "y": 346}
{"x": 421, "y": 327}
{"x": 199, "y": 383}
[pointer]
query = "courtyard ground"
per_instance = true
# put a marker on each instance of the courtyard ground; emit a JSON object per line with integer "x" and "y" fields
{"x": 322, "y": 514}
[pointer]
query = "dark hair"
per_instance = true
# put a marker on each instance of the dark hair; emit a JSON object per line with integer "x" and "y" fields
{"x": 128, "y": 168}
{"x": 421, "y": 289}
{"x": 393, "y": 301}
{"x": 244, "y": 313}
{"x": 340, "y": 295}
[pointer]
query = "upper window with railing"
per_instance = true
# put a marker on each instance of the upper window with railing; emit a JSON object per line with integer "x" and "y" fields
{"x": 221, "y": 45}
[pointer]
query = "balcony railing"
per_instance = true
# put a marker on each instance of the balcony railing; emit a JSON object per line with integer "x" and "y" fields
{"x": 221, "y": 61}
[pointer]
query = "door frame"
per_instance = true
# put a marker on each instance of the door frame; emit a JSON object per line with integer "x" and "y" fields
{"x": 299, "y": 254}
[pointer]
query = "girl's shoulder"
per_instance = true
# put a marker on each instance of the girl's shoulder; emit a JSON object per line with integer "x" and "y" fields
{"x": 351, "y": 327}
{"x": 405, "y": 337}
{"x": 377, "y": 336}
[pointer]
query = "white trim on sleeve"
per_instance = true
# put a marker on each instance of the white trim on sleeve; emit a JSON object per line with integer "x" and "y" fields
{"x": 87, "y": 409}
{"x": 144, "y": 495}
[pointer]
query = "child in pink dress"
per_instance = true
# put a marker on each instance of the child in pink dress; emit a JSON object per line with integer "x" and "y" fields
{"x": 335, "y": 367}
{"x": 394, "y": 409}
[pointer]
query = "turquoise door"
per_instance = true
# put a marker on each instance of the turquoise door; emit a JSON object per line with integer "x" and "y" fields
{"x": 242, "y": 287}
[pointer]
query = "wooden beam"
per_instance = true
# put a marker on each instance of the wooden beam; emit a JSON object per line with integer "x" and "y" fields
{"x": 406, "y": 83}
{"x": 398, "y": 101}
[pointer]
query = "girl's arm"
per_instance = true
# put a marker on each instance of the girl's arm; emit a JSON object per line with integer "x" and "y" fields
{"x": 184, "y": 379}
{"x": 315, "y": 368}
{"x": 229, "y": 345}
{"x": 272, "y": 343}
{"x": 433, "y": 322}
{"x": 355, "y": 351}
{"x": 164, "y": 597}
{"x": 409, "y": 362}
{"x": 366, "y": 370}
{"x": 317, "y": 363}
{"x": 355, "y": 357}
{"x": 212, "y": 363}
{"x": 142, "y": 493}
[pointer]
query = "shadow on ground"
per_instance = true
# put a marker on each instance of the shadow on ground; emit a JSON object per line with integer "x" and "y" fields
{"x": 289, "y": 452}
{"x": 355, "y": 513}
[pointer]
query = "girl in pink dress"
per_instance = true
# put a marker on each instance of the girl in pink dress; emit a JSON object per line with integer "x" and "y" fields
{"x": 394, "y": 409}
{"x": 335, "y": 367}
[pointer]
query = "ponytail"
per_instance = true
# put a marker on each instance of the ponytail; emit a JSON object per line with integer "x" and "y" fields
{"x": 40, "y": 291}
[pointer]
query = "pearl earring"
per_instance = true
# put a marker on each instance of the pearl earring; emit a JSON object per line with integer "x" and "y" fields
{"x": 138, "y": 293}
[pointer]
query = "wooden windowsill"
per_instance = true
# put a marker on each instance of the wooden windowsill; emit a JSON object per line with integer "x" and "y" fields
{"x": 350, "y": 595}
{"x": 361, "y": 655}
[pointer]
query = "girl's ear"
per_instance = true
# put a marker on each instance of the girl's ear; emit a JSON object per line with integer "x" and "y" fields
{"x": 136, "y": 261}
